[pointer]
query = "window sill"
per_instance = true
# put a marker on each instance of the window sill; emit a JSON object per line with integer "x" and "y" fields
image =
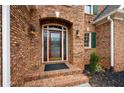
{"x": 89, "y": 14}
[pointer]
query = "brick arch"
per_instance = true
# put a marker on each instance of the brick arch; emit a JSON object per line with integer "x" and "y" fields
{"x": 56, "y": 20}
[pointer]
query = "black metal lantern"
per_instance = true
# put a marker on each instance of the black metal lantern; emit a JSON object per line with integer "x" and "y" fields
{"x": 31, "y": 29}
{"x": 32, "y": 32}
{"x": 77, "y": 33}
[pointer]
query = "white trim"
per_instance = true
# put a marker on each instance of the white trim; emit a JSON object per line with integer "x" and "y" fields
{"x": 120, "y": 11}
{"x": 62, "y": 46}
{"x": 112, "y": 40}
{"x": 100, "y": 23}
{"x": 121, "y": 7}
{"x": 104, "y": 17}
{"x": 48, "y": 43}
{"x": 67, "y": 44}
{"x": 111, "y": 13}
{"x": 42, "y": 44}
{"x": 6, "y": 46}
{"x": 91, "y": 9}
{"x": 117, "y": 18}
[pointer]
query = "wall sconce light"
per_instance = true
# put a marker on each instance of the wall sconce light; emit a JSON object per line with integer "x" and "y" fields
{"x": 77, "y": 33}
{"x": 32, "y": 32}
{"x": 31, "y": 29}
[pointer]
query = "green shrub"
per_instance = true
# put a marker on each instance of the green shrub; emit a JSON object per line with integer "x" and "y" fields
{"x": 94, "y": 63}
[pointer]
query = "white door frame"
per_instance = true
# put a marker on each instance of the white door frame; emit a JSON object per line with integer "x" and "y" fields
{"x": 48, "y": 61}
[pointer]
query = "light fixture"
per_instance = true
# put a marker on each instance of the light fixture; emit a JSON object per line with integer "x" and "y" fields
{"x": 31, "y": 29}
{"x": 77, "y": 33}
{"x": 32, "y": 32}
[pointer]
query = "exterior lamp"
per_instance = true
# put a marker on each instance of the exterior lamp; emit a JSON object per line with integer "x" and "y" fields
{"x": 32, "y": 32}
{"x": 32, "y": 29}
{"x": 77, "y": 33}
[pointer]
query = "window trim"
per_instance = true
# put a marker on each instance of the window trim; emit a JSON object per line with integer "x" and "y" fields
{"x": 89, "y": 40}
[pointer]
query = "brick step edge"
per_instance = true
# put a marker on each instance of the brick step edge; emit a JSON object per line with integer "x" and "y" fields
{"x": 38, "y": 76}
{"x": 62, "y": 81}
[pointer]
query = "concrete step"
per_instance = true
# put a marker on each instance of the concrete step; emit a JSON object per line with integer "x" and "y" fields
{"x": 60, "y": 81}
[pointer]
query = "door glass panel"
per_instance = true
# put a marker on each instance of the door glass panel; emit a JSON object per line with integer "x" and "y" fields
{"x": 64, "y": 39}
{"x": 45, "y": 45}
{"x": 55, "y": 46}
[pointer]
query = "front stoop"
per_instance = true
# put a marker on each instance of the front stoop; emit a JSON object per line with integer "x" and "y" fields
{"x": 58, "y": 78}
{"x": 61, "y": 81}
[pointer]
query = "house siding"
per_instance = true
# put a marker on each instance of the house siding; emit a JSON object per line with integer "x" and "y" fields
{"x": 119, "y": 45}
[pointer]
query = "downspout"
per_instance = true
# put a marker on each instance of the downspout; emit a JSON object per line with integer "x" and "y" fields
{"x": 6, "y": 46}
{"x": 111, "y": 40}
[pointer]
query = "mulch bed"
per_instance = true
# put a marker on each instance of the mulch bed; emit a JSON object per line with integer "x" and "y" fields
{"x": 108, "y": 79}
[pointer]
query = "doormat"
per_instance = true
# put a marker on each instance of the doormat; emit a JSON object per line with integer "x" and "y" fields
{"x": 51, "y": 67}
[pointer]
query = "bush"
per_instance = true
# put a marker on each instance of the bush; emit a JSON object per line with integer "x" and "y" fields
{"x": 94, "y": 63}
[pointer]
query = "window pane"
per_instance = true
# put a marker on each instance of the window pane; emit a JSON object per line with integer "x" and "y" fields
{"x": 45, "y": 44}
{"x": 55, "y": 46}
{"x": 55, "y": 27}
{"x": 86, "y": 40}
{"x": 87, "y": 9}
{"x": 64, "y": 41}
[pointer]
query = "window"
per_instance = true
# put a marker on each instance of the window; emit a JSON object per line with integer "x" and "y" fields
{"x": 90, "y": 40}
{"x": 87, "y": 9}
{"x": 95, "y": 9}
{"x": 87, "y": 40}
{"x": 91, "y": 9}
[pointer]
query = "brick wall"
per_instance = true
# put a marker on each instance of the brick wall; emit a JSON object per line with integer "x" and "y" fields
{"x": 20, "y": 43}
{"x": 0, "y": 45}
{"x": 27, "y": 56}
{"x": 103, "y": 43}
{"x": 75, "y": 15}
{"x": 36, "y": 47}
{"x": 119, "y": 45}
{"x": 88, "y": 27}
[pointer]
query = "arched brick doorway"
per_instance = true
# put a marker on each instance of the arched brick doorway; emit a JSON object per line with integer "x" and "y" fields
{"x": 55, "y": 39}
